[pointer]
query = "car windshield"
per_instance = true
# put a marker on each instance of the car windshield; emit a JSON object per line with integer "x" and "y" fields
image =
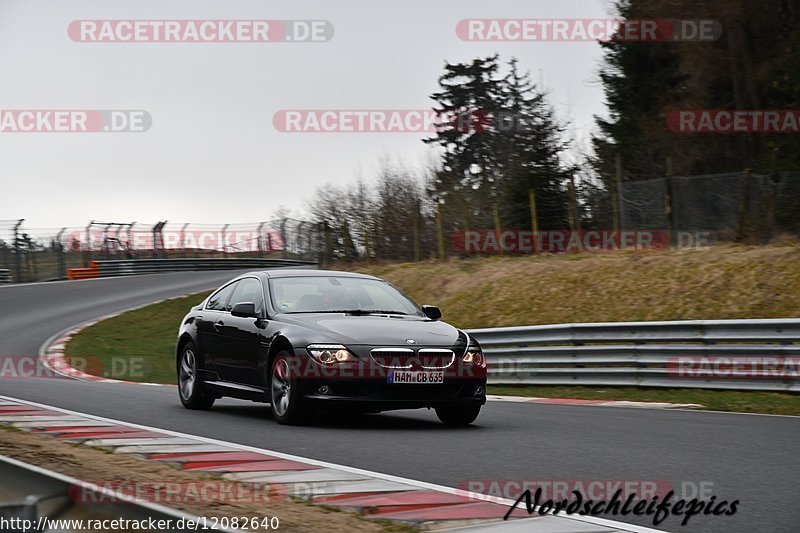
{"x": 334, "y": 294}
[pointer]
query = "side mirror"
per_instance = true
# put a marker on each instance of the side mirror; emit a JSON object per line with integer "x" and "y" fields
{"x": 244, "y": 310}
{"x": 432, "y": 312}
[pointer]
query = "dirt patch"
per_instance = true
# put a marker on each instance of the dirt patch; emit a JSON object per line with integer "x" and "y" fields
{"x": 95, "y": 465}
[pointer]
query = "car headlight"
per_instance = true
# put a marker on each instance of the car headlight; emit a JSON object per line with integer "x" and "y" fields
{"x": 473, "y": 355}
{"x": 330, "y": 354}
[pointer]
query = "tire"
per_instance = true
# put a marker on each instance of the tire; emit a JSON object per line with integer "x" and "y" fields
{"x": 190, "y": 387}
{"x": 458, "y": 415}
{"x": 285, "y": 397}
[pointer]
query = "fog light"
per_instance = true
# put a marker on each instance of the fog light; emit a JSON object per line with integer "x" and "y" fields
{"x": 478, "y": 390}
{"x": 323, "y": 390}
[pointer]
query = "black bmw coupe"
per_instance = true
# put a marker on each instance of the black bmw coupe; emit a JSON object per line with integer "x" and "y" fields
{"x": 302, "y": 340}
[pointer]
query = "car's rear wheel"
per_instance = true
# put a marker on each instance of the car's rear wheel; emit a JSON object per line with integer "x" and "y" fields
{"x": 286, "y": 399}
{"x": 458, "y": 415}
{"x": 190, "y": 386}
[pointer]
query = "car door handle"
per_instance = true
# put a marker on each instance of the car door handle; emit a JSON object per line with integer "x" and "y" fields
{"x": 218, "y": 325}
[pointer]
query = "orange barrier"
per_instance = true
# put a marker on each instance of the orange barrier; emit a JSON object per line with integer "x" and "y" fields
{"x": 84, "y": 273}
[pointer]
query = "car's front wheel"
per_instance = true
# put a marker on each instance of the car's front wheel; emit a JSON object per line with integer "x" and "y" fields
{"x": 458, "y": 415}
{"x": 286, "y": 400}
{"x": 190, "y": 387}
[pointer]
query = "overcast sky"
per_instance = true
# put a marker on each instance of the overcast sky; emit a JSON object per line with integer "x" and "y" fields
{"x": 212, "y": 154}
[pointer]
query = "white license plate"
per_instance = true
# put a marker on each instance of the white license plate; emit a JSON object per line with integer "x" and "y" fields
{"x": 415, "y": 376}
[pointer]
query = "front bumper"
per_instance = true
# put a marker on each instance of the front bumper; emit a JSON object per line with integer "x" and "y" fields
{"x": 383, "y": 396}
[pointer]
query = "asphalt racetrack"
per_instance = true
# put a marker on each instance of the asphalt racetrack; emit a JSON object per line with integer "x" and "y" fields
{"x": 748, "y": 458}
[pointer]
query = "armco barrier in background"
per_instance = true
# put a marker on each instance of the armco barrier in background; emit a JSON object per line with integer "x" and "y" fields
{"x": 104, "y": 269}
{"x": 721, "y": 354}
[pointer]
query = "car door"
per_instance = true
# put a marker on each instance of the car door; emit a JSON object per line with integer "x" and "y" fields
{"x": 240, "y": 346}
{"x": 209, "y": 323}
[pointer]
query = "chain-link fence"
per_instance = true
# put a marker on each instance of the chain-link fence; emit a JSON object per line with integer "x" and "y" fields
{"x": 734, "y": 206}
{"x": 37, "y": 254}
{"x": 731, "y": 206}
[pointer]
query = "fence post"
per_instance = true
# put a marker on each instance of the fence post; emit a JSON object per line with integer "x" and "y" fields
{"x": 285, "y": 238}
{"x": 772, "y": 185}
{"x": 497, "y": 228}
{"x": 5, "y": 250}
{"x": 18, "y": 250}
{"x": 534, "y": 220}
{"x": 33, "y": 268}
{"x": 417, "y": 231}
{"x": 328, "y": 244}
{"x": 260, "y": 240}
{"x": 574, "y": 219}
{"x": 617, "y": 197}
{"x": 62, "y": 260}
{"x": 744, "y": 207}
{"x": 183, "y": 238}
{"x": 440, "y": 231}
{"x": 87, "y": 249}
{"x": 669, "y": 205}
{"x": 346, "y": 239}
{"x": 224, "y": 241}
{"x": 106, "y": 252}
{"x": 158, "y": 240}
{"x": 129, "y": 244}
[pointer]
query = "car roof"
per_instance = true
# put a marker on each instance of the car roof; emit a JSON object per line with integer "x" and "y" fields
{"x": 298, "y": 273}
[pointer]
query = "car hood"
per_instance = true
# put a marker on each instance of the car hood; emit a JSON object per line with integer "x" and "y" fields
{"x": 377, "y": 330}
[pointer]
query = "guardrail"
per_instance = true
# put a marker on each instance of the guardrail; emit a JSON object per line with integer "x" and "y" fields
{"x": 721, "y": 354}
{"x": 5, "y": 275}
{"x": 28, "y": 493}
{"x": 104, "y": 269}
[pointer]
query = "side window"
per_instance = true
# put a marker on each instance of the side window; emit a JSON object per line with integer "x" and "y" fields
{"x": 219, "y": 300}
{"x": 248, "y": 290}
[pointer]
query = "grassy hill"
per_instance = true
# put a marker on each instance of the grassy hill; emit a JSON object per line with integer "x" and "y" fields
{"x": 730, "y": 281}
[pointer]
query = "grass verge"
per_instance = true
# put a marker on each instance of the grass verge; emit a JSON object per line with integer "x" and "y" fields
{"x": 776, "y": 403}
{"x": 135, "y": 346}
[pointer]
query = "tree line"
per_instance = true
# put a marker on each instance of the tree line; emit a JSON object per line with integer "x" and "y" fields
{"x": 516, "y": 154}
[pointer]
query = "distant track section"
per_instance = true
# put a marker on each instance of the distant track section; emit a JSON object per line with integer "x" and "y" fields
{"x": 132, "y": 267}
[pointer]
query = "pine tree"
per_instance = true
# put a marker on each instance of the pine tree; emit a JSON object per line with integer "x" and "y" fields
{"x": 468, "y": 179}
{"x": 512, "y": 146}
{"x": 532, "y": 141}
